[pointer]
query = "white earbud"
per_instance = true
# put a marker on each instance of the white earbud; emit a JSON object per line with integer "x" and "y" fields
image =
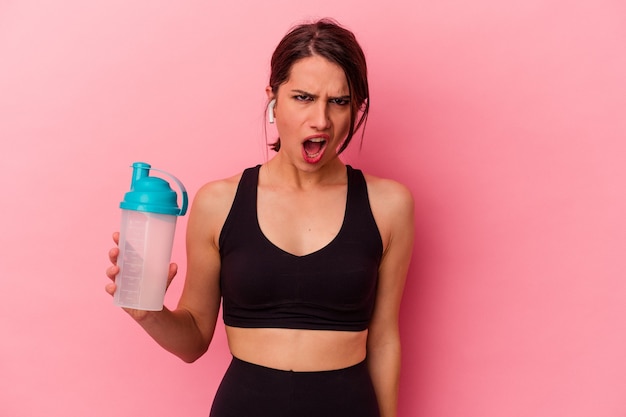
{"x": 270, "y": 110}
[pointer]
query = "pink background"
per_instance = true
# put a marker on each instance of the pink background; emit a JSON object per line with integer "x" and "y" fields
{"x": 506, "y": 119}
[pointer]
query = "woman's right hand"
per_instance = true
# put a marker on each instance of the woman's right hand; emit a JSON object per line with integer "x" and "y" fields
{"x": 113, "y": 270}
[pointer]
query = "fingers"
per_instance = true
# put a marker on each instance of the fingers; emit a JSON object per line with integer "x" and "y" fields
{"x": 173, "y": 271}
{"x": 110, "y": 288}
{"x": 112, "y": 272}
{"x": 113, "y": 254}
{"x": 171, "y": 274}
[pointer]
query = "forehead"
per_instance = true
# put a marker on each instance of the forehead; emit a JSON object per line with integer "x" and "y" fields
{"x": 316, "y": 74}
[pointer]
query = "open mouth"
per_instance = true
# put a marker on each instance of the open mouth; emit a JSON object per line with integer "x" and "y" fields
{"x": 313, "y": 147}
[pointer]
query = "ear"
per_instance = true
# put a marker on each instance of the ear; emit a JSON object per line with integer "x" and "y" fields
{"x": 269, "y": 93}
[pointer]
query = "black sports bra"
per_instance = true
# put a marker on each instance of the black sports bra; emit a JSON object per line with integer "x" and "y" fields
{"x": 333, "y": 288}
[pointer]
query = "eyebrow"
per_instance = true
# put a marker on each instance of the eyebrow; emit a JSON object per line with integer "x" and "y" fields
{"x": 315, "y": 96}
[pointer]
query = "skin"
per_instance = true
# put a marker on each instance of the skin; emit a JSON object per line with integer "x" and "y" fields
{"x": 301, "y": 204}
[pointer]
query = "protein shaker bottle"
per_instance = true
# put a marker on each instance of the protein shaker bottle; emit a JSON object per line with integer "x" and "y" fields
{"x": 149, "y": 213}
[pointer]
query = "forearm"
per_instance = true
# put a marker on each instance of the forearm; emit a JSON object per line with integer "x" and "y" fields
{"x": 384, "y": 366}
{"x": 177, "y": 332}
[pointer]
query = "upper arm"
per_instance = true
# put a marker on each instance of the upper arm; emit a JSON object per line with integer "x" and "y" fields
{"x": 201, "y": 292}
{"x": 392, "y": 206}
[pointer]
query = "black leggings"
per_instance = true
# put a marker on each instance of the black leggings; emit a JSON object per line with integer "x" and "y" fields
{"x": 250, "y": 390}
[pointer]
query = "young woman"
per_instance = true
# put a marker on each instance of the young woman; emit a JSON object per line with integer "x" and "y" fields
{"x": 308, "y": 254}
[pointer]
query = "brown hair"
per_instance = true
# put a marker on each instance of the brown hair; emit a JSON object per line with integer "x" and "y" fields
{"x": 325, "y": 38}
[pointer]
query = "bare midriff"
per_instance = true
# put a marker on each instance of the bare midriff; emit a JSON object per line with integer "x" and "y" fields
{"x": 297, "y": 350}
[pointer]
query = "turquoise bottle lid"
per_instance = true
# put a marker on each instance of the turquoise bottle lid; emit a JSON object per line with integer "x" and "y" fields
{"x": 153, "y": 194}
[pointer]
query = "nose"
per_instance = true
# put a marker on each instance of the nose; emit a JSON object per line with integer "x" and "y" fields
{"x": 320, "y": 118}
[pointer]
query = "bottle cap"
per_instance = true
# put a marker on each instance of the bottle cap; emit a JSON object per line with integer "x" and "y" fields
{"x": 153, "y": 194}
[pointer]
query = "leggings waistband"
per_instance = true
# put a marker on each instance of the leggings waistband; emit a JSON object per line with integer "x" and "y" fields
{"x": 249, "y": 389}
{"x": 263, "y": 368}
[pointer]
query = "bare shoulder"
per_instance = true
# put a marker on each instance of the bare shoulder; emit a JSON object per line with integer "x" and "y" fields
{"x": 215, "y": 194}
{"x": 392, "y": 205}
{"x": 212, "y": 204}
{"x": 389, "y": 195}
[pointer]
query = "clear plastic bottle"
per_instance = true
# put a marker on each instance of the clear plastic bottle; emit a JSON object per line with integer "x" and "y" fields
{"x": 149, "y": 214}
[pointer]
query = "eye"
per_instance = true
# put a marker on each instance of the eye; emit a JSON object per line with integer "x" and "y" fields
{"x": 340, "y": 101}
{"x": 302, "y": 97}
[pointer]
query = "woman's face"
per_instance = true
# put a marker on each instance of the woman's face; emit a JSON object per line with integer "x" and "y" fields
{"x": 312, "y": 112}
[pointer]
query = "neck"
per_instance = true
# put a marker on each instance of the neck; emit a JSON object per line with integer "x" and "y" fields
{"x": 279, "y": 172}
